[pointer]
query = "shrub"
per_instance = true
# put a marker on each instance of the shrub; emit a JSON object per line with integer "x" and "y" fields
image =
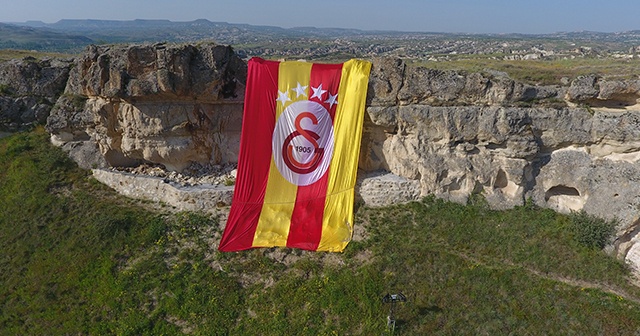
{"x": 77, "y": 101}
{"x": 5, "y": 90}
{"x": 591, "y": 231}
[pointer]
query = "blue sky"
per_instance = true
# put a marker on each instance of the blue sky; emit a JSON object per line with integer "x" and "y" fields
{"x": 469, "y": 16}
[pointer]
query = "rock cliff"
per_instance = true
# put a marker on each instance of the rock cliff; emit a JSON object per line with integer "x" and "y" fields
{"x": 573, "y": 148}
{"x": 28, "y": 90}
{"x": 452, "y": 134}
{"x": 169, "y": 105}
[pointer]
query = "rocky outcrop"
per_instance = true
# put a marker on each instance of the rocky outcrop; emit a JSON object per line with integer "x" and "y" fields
{"x": 446, "y": 133}
{"x": 565, "y": 159}
{"x": 596, "y": 92}
{"x": 469, "y": 134}
{"x": 203, "y": 197}
{"x": 170, "y": 105}
{"x": 28, "y": 90}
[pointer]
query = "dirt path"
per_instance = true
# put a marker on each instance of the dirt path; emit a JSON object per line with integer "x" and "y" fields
{"x": 552, "y": 277}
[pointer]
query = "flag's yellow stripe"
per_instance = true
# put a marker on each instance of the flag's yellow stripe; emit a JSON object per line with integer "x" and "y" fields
{"x": 337, "y": 224}
{"x": 280, "y": 197}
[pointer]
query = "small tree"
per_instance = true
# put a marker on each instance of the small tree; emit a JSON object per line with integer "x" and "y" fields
{"x": 591, "y": 231}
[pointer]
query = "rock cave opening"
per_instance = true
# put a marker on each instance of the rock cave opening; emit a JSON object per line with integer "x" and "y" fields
{"x": 501, "y": 180}
{"x": 565, "y": 199}
{"x": 618, "y": 101}
{"x": 560, "y": 190}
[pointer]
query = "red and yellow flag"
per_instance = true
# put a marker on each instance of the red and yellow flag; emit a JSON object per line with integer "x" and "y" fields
{"x": 298, "y": 158}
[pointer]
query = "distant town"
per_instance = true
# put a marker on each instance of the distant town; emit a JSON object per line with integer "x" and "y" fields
{"x": 72, "y": 36}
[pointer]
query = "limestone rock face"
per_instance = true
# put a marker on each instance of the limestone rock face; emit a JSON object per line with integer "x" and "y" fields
{"x": 426, "y": 132}
{"x": 191, "y": 198}
{"x": 382, "y": 189}
{"x": 597, "y": 92}
{"x": 460, "y": 135}
{"x": 169, "y": 105}
{"x": 508, "y": 154}
{"x": 206, "y": 72}
{"x": 451, "y": 88}
{"x": 28, "y": 90}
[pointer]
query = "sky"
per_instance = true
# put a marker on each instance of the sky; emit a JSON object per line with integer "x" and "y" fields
{"x": 451, "y": 16}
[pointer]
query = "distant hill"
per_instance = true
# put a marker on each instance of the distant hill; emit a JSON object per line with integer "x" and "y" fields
{"x": 111, "y": 31}
{"x": 41, "y": 39}
{"x": 72, "y": 35}
{"x": 67, "y": 35}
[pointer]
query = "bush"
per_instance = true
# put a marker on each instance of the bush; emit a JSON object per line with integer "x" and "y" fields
{"x": 76, "y": 101}
{"x": 591, "y": 231}
{"x": 5, "y": 90}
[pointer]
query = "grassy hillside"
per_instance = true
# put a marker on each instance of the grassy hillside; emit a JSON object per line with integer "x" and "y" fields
{"x": 542, "y": 72}
{"x": 17, "y": 37}
{"x": 10, "y": 54}
{"x": 78, "y": 259}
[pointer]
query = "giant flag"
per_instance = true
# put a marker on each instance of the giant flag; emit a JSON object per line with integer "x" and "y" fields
{"x": 298, "y": 157}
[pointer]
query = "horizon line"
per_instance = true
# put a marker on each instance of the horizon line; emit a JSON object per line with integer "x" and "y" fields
{"x": 314, "y": 27}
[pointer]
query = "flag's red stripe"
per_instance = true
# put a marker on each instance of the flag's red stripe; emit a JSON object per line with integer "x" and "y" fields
{"x": 254, "y": 158}
{"x": 306, "y": 220}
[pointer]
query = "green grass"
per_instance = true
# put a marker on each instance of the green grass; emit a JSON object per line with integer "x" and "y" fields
{"x": 469, "y": 270}
{"x": 9, "y": 54}
{"x": 78, "y": 259}
{"x": 542, "y": 72}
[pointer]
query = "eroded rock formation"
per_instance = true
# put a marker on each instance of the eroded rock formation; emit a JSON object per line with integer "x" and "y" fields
{"x": 169, "y": 105}
{"x": 452, "y": 134}
{"x": 566, "y": 158}
{"x": 28, "y": 90}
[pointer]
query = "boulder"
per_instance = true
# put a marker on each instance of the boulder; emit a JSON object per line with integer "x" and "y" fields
{"x": 28, "y": 90}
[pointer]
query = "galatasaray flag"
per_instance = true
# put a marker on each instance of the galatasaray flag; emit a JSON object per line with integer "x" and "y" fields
{"x": 298, "y": 158}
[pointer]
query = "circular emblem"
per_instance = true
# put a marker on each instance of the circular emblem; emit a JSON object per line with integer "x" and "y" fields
{"x": 302, "y": 142}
